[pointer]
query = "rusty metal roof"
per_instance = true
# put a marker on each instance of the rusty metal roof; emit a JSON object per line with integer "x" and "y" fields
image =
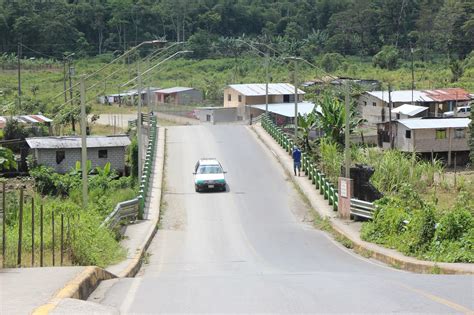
{"x": 448, "y": 94}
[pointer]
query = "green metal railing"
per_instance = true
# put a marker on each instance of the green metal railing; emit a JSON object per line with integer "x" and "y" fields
{"x": 147, "y": 168}
{"x": 316, "y": 177}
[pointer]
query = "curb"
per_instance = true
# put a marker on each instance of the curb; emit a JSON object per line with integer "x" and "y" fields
{"x": 87, "y": 281}
{"x": 385, "y": 255}
{"x": 78, "y": 288}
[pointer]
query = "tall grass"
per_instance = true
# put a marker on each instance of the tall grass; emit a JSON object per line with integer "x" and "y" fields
{"x": 330, "y": 159}
{"x": 393, "y": 169}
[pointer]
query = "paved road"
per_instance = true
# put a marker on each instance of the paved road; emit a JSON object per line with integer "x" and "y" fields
{"x": 252, "y": 249}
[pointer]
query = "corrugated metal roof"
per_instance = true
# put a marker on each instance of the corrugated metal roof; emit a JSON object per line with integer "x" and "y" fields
{"x": 75, "y": 142}
{"x": 258, "y": 89}
{"x": 435, "y": 123}
{"x": 448, "y": 94}
{"x": 29, "y": 119}
{"x": 288, "y": 109}
{"x": 403, "y": 96}
{"x": 408, "y": 109}
{"x": 176, "y": 89}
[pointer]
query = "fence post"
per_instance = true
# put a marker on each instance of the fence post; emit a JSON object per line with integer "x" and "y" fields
{"x": 20, "y": 229}
{"x": 41, "y": 236}
{"x": 32, "y": 231}
{"x": 4, "y": 225}
{"x": 62, "y": 237}
{"x": 52, "y": 234}
{"x": 68, "y": 239}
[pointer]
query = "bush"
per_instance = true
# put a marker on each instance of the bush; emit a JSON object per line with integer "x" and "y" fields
{"x": 387, "y": 58}
{"x": 332, "y": 61}
{"x": 408, "y": 224}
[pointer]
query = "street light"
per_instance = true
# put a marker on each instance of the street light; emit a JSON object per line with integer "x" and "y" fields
{"x": 295, "y": 82}
{"x": 139, "y": 110}
{"x": 267, "y": 63}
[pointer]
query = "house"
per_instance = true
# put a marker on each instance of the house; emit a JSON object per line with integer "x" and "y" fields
{"x": 241, "y": 95}
{"x": 62, "y": 153}
{"x": 407, "y": 111}
{"x": 178, "y": 96}
{"x": 373, "y": 106}
{"x": 131, "y": 95}
{"x": 440, "y": 136}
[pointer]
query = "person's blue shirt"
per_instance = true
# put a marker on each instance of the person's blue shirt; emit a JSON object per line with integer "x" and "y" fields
{"x": 296, "y": 155}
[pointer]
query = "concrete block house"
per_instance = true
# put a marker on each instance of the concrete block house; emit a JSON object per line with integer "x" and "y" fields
{"x": 443, "y": 137}
{"x": 242, "y": 95}
{"x": 374, "y": 106}
{"x": 62, "y": 153}
{"x": 178, "y": 96}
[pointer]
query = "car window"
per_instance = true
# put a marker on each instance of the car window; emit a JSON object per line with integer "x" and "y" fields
{"x": 209, "y": 169}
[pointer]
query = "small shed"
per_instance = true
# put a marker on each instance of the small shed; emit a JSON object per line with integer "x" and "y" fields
{"x": 62, "y": 153}
{"x": 179, "y": 96}
{"x": 215, "y": 115}
{"x": 407, "y": 111}
{"x": 283, "y": 113}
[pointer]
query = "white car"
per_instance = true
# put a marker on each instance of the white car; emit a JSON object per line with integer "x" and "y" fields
{"x": 464, "y": 111}
{"x": 208, "y": 174}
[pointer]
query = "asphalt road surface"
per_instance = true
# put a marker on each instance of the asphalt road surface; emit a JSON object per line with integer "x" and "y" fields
{"x": 253, "y": 249}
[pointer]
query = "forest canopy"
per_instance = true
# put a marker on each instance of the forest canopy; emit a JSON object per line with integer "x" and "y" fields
{"x": 306, "y": 27}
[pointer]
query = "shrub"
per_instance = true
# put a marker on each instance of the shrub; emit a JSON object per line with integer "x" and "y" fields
{"x": 387, "y": 58}
{"x": 331, "y": 159}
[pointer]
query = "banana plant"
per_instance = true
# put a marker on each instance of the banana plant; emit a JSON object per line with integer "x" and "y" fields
{"x": 7, "y": 160}
{"x": 305, "y": 124}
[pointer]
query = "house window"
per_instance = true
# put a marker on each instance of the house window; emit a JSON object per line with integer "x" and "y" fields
{"x": 459, "y": 133}
{"x": 208, "y": 117}
{"x": 374, "y": 104}
{"x": 102, "y": 154}
{"x": 229, "y": 97}
{"x": 240, "y": 98}
{"x": 408, "y": 134}
{"x": 365, "y": 103}
{"x": 440, "y": 134}
{"x": 60, "y": 156}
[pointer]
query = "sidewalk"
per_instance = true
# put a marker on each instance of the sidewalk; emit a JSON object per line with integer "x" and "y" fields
{"x": 351, "y": 229}
{"x": 54, "y": 289}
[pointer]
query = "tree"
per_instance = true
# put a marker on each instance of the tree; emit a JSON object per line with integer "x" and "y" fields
{"x": 331, "y": 118}
{"x": 305, "y": 124}
{"x": 14, "y": 130}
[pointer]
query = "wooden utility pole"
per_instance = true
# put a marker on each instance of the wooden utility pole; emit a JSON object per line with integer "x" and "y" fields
{"x": 84, "y": 143}
{"x": 347, "y": 145}
{"x": 19, "y": 74}
{"x": 390, "y": 114}
{"x": 295, "y": 73}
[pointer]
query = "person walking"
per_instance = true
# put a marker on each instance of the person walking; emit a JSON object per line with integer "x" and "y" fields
{"x": 296, "y": 160}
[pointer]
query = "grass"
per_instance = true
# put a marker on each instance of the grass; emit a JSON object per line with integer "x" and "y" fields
{"x": 210, "y": 76}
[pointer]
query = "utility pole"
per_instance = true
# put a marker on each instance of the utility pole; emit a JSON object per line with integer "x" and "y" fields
{"x": 412, "y": 76}
{"x": 70, "y": 71}
{"x": 19, "y": 74}
{"x": 266, "y": 84}
{"x": 390, "y": 114}
{"x": 84, "y": 143}
{"x": 347, "y": 145}
{"x": 64, "y": 79}
{"x": 139, "y": 124}
{"x": 295, "y": 71}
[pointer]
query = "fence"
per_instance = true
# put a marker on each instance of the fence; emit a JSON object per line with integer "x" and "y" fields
{"x": 34, "y": 236}
{"x": 133, "y": 209}
{"x": 317, "y": 178}
{"x": 360, "y": 208}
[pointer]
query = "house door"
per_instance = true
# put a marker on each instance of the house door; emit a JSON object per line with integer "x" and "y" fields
{"x": 208, "y": 117}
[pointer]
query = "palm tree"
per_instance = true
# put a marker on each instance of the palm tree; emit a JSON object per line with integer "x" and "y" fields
{"x": 331, "y": 118}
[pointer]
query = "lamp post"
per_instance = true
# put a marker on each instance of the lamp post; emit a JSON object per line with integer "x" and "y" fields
{"x": 267, "y": 76}
{"x": 295, "y": 82}
{"x": 139, "y": 116}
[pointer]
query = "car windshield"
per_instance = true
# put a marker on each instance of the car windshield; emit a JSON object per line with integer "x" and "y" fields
{"x": 209, "y": 169}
